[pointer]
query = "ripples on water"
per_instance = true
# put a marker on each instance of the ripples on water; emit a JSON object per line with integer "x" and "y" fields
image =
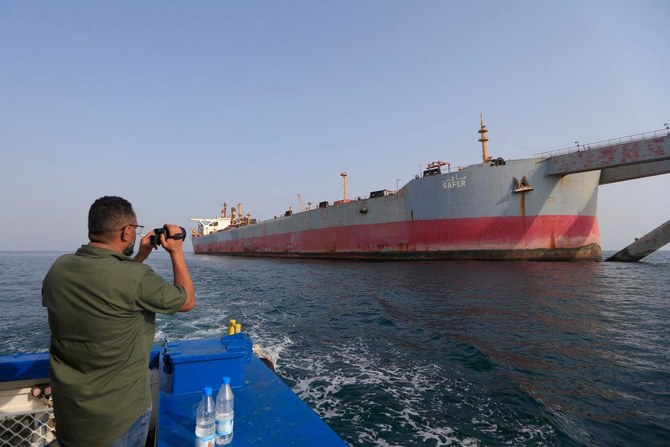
{"x": 431, "y": 353}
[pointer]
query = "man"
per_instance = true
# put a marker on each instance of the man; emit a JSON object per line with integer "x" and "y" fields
{"x": 102, "y": 305}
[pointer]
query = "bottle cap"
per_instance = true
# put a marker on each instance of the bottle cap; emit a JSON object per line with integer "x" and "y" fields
{"x": 225, "y": 380}
{"x": 207, "y": 391}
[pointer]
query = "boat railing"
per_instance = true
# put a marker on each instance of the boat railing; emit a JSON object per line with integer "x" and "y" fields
{"x": 613, "y": 142}
{"x": 34, "y": 427}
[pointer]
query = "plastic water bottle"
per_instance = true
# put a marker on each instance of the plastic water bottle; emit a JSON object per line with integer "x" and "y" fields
{"x": 225, "y": 415}
{"x": 204, "y": 421}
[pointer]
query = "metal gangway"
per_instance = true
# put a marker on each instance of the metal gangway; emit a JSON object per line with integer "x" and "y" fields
{"x": 627, "y": 158}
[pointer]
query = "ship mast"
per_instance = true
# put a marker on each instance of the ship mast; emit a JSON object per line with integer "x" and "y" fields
{"x": 483, "y": 139}
{"x": 344, "y": 180}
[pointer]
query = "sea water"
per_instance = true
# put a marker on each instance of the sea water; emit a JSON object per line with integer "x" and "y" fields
{"x": 430, "y": 353}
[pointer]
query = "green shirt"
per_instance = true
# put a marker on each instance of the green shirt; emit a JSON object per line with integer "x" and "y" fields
{"x": 102, "y": 307}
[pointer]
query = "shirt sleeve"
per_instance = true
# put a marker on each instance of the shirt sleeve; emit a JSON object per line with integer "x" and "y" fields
{"x": 159, "y": 296}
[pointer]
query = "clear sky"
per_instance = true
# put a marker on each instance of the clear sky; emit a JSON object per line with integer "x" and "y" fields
{"x": 181, "y": 106}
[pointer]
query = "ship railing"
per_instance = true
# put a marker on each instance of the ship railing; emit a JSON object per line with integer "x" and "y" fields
{"x": 613, "y": 142}
{"x": 32, "y": 428}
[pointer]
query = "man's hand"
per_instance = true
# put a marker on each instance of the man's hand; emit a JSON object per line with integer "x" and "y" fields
{"x": 145, "y": 248}
{"x": 169, "y": 244}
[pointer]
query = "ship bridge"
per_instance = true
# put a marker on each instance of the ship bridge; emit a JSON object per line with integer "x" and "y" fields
{"x": 628, "y": 158}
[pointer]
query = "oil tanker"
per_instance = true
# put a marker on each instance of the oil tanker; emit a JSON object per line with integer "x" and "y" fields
{"x": 494, "y": 210}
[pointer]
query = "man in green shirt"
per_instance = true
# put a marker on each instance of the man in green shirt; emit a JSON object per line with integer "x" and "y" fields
{"x": 102, "y": 305}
